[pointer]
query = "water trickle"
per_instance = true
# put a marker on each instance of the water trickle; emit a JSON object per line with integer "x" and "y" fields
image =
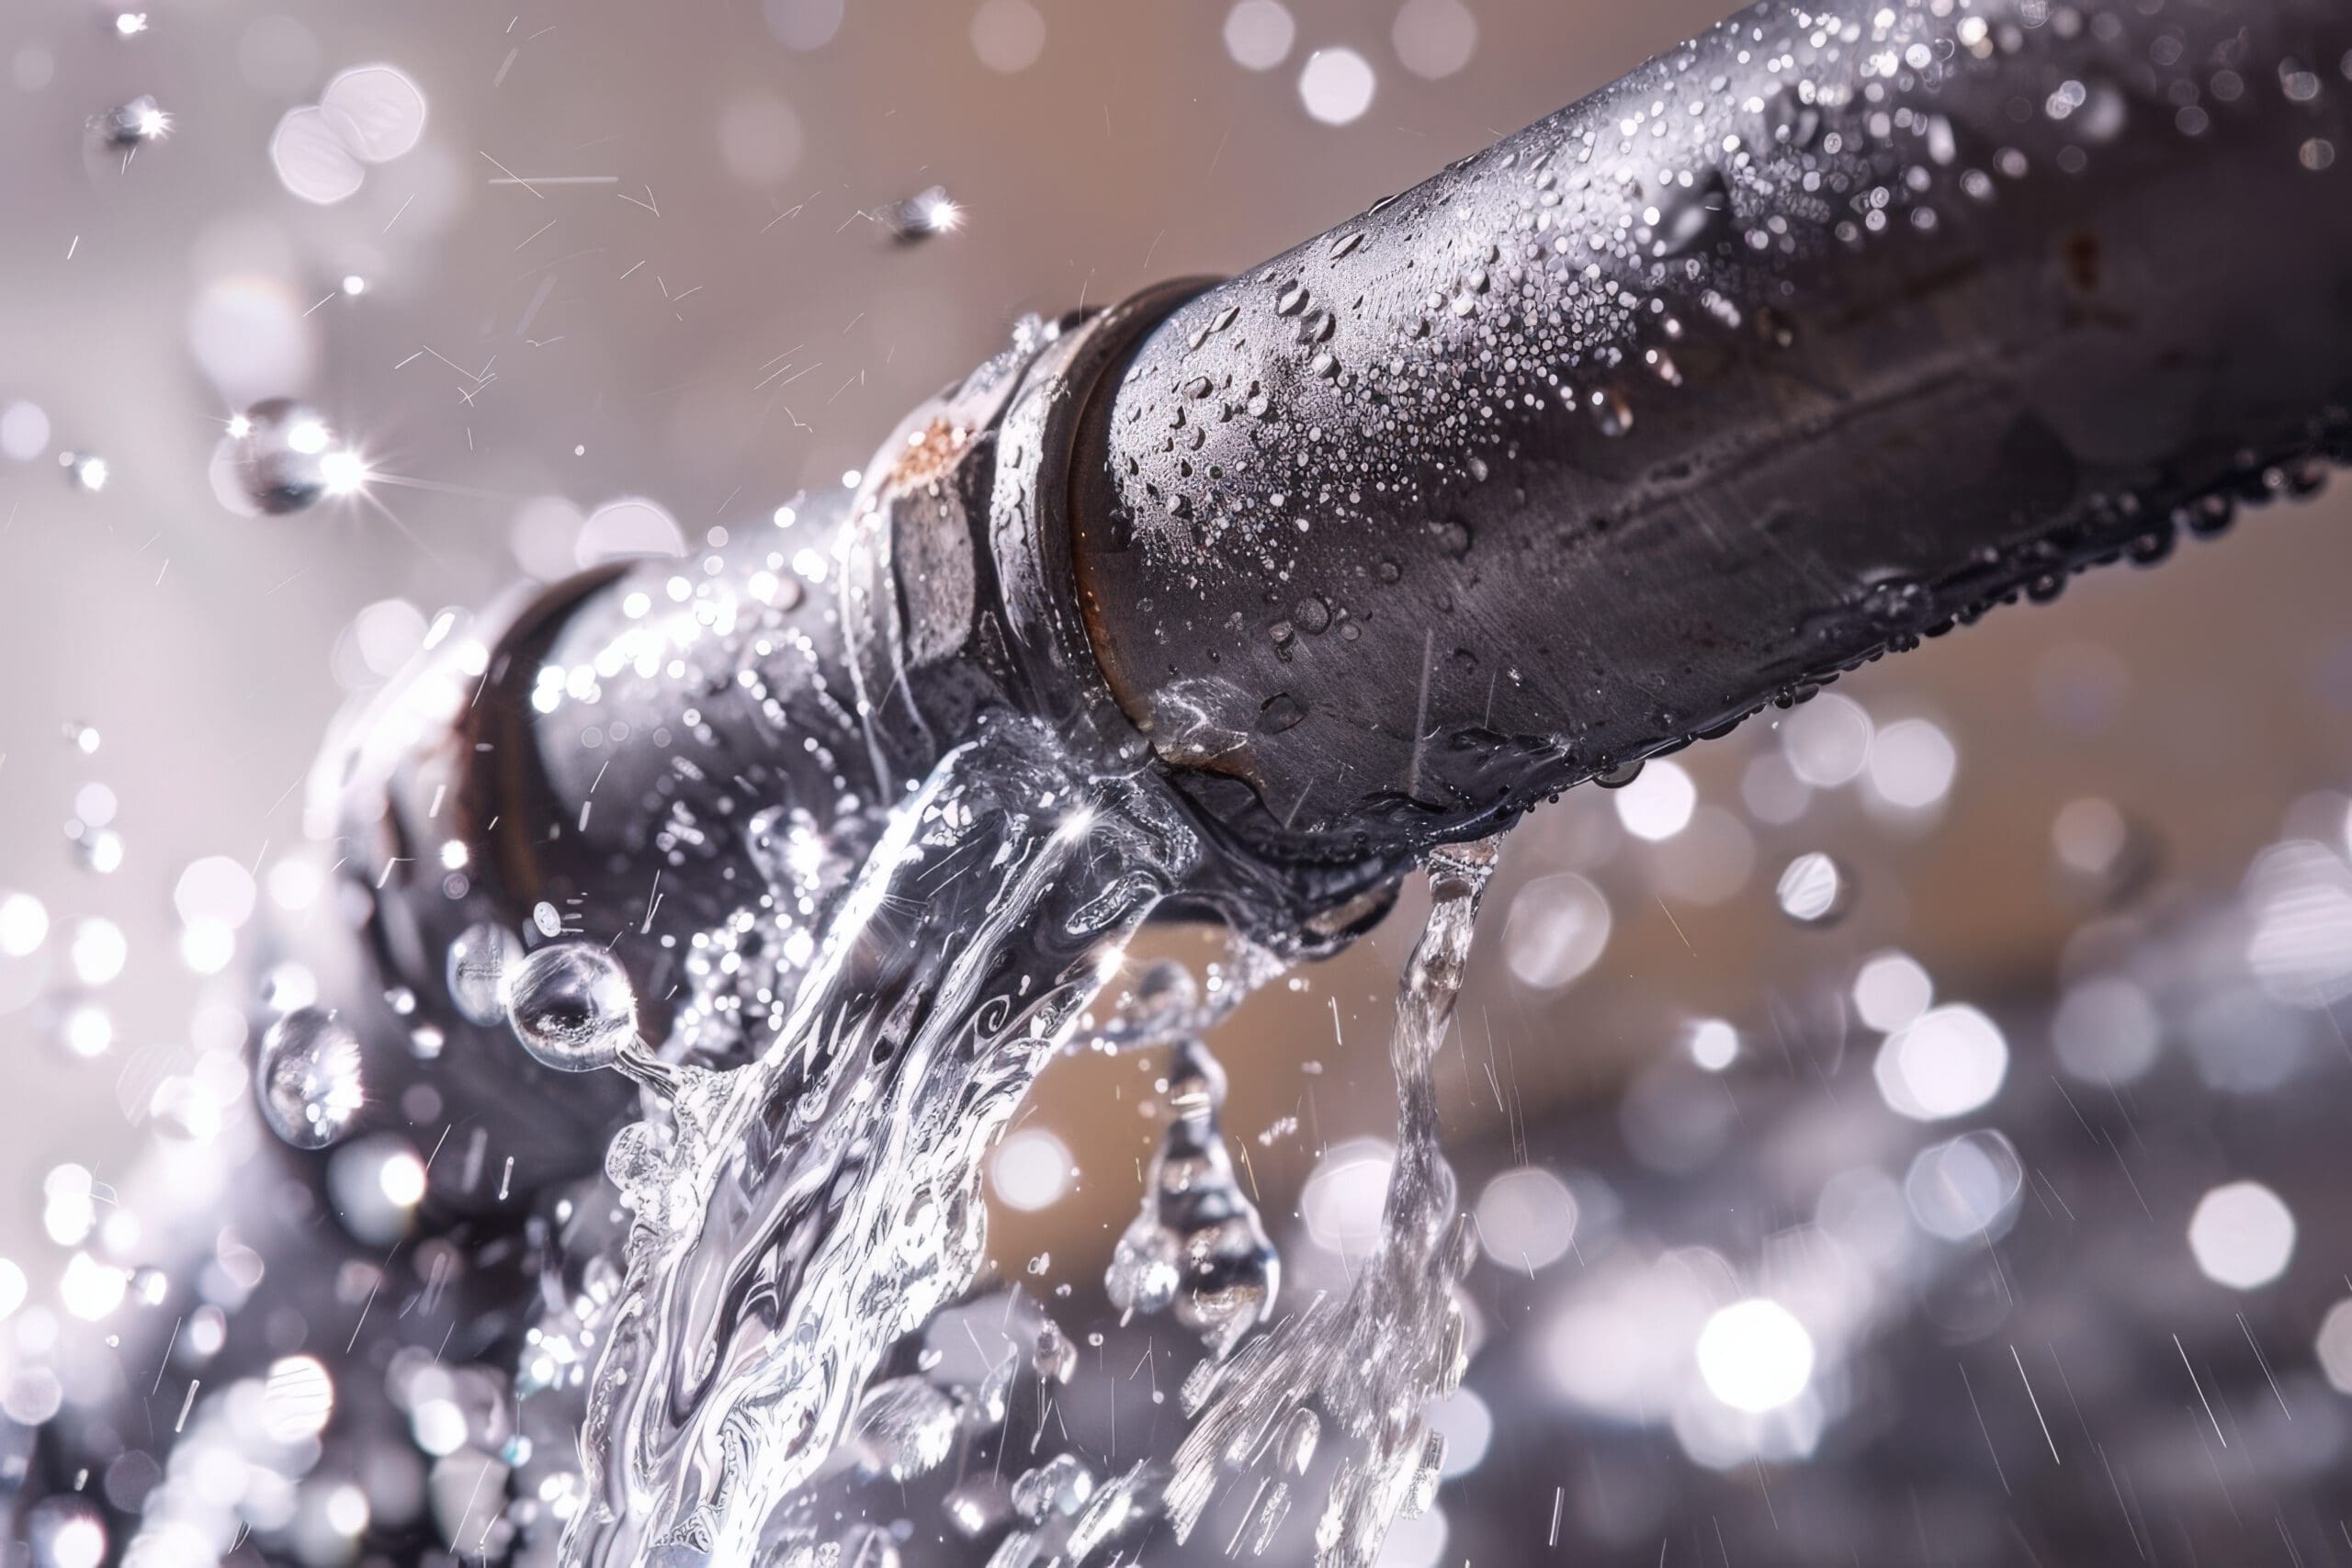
{"x": 1197, "y": 1247}
{"x": 1373, "y": 1361}
{"x": 1159, "y": 1006}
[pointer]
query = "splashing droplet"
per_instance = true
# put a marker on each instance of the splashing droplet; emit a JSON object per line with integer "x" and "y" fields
{"x": 308, "y": 1076}
{"x": 573, "y": 1008}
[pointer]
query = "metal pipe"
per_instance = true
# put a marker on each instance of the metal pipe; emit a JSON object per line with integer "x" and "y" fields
{"x": 1829, "y": 329}
{"x": 1803, "y": 341}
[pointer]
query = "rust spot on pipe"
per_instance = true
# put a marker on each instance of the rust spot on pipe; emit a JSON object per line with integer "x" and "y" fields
{"x": 929, "y": 456}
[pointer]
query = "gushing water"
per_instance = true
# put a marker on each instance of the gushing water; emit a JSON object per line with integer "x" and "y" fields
{"x": 795, "y": 1216}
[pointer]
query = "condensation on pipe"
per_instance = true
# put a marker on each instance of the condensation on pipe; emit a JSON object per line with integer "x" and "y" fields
{"x": 1805, "y": 340}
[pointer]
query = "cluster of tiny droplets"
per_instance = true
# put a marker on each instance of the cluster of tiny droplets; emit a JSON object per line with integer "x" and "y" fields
{"x": 1639, "y": 222}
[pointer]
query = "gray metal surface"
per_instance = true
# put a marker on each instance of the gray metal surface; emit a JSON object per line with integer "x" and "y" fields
{"x": 1806, "y": 340}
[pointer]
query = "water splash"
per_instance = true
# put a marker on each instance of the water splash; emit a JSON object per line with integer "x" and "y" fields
{"x": 796, "y": 1216}
{"x": 1374, "y": 1361}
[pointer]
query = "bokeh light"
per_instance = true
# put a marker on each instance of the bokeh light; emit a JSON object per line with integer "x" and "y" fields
{"x": 1755, "y": 1356}
{"x": 1030, "y": 1169}
{"x": 1337, "y": 85}
{"x": 1258, "y": 33}
{"x": 2242, "y": 1234}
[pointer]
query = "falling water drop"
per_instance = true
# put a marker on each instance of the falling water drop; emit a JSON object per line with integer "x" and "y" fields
{"x": 923, "y": 216}
{"x": 1060, "y": 1485}
{"x": 277, "y": 457}
{"x": 308, "y": 1076}
{"x": 141, "y": 120}
{"x": 905, "y": 1426}
{"x": 477, "y": 966}
{"x": 572, "y": 1007}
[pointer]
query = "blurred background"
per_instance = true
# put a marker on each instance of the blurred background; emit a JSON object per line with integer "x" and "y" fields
{"x": 1977, "y": 1020}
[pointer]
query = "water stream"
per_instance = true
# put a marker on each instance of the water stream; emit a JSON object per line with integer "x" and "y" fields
{"x": 795, "y": 1218}
{"x": 1372, "y": 1361}
{"x": 781, "y": 1310}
